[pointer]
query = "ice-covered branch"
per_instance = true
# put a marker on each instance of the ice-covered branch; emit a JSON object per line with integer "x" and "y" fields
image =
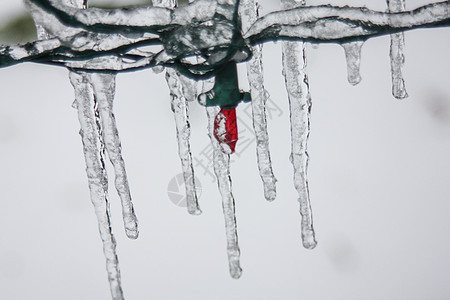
{"x": 51, "y": 51}
{"x": 133, "y": 19}
{"x": 331, "y": 24}
{"x": 197, "y": 27}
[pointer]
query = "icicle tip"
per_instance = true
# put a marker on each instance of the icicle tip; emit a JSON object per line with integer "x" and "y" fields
{"x": 195, "y": 212}
{"x": 132, "y": 233}
{"x": 270, "y": 194}
{"x": 308, "y": 239}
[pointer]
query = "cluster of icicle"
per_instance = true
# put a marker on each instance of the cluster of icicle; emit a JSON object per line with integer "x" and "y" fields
{"x": 94, "y": 91}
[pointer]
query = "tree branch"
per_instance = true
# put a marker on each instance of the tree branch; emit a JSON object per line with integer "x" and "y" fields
{"x": 333, "y": 24}
{"x": 203, "y": 28}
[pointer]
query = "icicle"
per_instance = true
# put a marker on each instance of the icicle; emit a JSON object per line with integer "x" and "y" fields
{"x": 190, "y": 87}
{"x": 255, "y": 77}
{"x": 181, "y": 112}
{"x": 222, "y": 171}
{"x": 93, "y": 148}
{"x": 296, "y": 79}
{"x": 180, "y": 109}
{"x": 353, "y": 57}
{"x": 396, "y": 54}
{"x": 104, "y": 86}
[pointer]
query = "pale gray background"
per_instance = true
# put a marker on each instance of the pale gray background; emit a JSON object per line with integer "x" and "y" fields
{"x": 379, "y": 179}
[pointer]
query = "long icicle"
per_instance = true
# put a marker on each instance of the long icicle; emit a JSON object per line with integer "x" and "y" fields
{"x": 296, "y": 79}
{"x": 255, "y": 77}
{"x": 93, "y": 148}
{"x": 222, "y": 171}
{"x": 104, "y": 86}
{"x": 396, "y": 54}
{"x": 181, "y": 112}
{"x": 180, "y": 109}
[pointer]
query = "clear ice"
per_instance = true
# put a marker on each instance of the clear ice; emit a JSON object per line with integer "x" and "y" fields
{"x": 396, "y": 54}
{"x": 96, "y": 43}
{"x": 296, "y": 79}
{"x": 221, "y": 162}
{"x": 327, "y": 23}
{"x": 353, "y": 58}
{"x": 180, "y": 109}
{"x": 94, "y": 95}
{"x": 249, "y": 14}
{"x": 104, "y": 86}
{"x": 93, "y": 147}
{"x": 179, "y": 86}
{"x": 105, "y": 39}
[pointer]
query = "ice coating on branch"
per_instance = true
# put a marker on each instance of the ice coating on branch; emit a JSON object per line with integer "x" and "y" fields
{"x": 296, "y": 79}
{"x": 353, "y": 58}
{"x": 181, "y": 112}
{"x": 93, "y": 148}
{"x": 77, "y": 38}
{"x": 221, "y": 163}
{"x": 249, "y": 14}
{"x": 165, "y": 3}
{"x": 331, "y": 23}
{"x": 136, "y": 19}
{"x": 109, "y": 42}
{"x": 104, "y": 86}
{"x": 396, "y": 54}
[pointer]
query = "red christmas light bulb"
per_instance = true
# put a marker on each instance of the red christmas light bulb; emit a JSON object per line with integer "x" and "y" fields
{"x": 225, "y": 130}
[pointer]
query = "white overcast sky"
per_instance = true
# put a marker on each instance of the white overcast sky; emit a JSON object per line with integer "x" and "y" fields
{"x": 379, "y": 182}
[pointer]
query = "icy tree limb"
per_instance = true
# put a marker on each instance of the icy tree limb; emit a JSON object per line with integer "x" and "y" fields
{"x": 104, "y": 86}
{"x": 110, "y": 63}
{"x": 331, "y": 24}
{"x": 222, "y": 171}
{"x": 79, "y": 39}
{"x": 93, "y": 148}
{"x": 294, "y": 65}
{"x": 255, "y": 77}
{"x": 133, "y": 19}
{"x": 51, "y": 52}
{"x": 320, "y": 24}
{"x": 396, "y": 54}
